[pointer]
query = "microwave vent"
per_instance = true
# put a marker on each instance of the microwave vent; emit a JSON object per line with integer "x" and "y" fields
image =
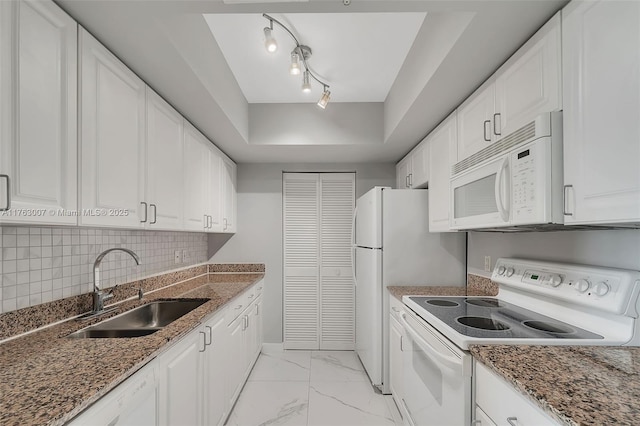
{"x": 523, "y": 134}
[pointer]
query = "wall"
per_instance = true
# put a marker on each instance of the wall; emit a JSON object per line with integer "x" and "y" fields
{"x": 614, "y": 248}
{"x": 41, "y": 264}
{"x": 259, "y": 237}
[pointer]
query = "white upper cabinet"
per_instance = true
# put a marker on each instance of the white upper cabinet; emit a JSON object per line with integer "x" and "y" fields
{"x": 165, "y": 187}
{"x": 229, "y": 195}
{"x": 475, "y": 121}
{"x": 419, "y": 176}
{"x": 413, "y": 170}
{"x": 601, "y": 83}
{"x": 403, "y": 172}
{"x": 112, "y": 139}
{"x": 530, "y": 82}
{"x": 196, "y": 175}
{"x": 442, "y": 147}
{"x": 215, "y": 191}
{"x": 38, "y": 107}
{"x": 527, "y": 85}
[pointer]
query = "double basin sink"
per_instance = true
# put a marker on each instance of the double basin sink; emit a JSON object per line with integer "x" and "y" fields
{"x": 141, "y": 321}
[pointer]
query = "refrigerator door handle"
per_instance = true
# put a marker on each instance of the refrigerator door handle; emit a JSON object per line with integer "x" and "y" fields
{"x": 353, "y": 246}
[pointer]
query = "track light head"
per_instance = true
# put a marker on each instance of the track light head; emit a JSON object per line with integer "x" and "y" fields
{"x": 306, "y": 86}
{"x": 324, "y": 100}
{"x": 269, "y": 42}
{"x": 294, "y": 69}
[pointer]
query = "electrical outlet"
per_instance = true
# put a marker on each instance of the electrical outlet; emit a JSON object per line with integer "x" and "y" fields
{"x": 185, "y": 256}
{"x": 178, "y": 256}
{"x": 487, "y": 263}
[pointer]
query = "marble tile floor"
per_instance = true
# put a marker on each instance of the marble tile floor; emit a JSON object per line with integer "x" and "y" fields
{"x": 314, "y": 388}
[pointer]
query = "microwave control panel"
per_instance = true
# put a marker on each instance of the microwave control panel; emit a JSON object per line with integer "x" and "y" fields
{"x": 529, "y": 165}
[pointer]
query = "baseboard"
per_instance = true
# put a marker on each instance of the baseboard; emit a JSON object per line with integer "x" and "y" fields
{"x": 269, "y": 348}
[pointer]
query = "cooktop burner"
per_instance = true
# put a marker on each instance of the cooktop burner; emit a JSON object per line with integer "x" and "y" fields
{"x": 484, "y": 317}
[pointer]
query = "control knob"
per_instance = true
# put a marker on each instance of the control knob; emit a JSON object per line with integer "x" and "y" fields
{"x": 583, "y": 285}
{"x": 555, "y": 280}
{"x": 501, "y": 270}
{"x": 602, "y": 288}
{"x": 510, "y": 271}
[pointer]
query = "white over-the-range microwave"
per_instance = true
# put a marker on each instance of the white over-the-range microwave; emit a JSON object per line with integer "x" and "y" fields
{"x": 516, "y": 182}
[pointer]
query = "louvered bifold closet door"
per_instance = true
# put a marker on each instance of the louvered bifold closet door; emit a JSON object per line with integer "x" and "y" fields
{"x": 337, "y": 301}
{"x": 301, "y": 254}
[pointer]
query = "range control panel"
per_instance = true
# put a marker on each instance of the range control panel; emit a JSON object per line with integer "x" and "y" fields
{"x": 607, "y": 289}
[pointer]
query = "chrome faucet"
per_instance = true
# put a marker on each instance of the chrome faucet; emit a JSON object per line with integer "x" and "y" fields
{"x": 99, "y": 296}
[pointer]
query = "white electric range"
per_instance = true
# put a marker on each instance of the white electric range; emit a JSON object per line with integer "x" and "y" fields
{"x": 539, "y": 303}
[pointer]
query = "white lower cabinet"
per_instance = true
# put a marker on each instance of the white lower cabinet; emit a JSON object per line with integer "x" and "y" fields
{"x": 181, "y": 390}
{"x": 133, "y": 402}
{"x": 498, "y": 403}
{"x": 216, "y": 407}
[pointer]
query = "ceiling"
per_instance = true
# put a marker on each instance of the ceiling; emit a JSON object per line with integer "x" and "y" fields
{"x": 396, "y": 67}
{"x": 358, "y": 54}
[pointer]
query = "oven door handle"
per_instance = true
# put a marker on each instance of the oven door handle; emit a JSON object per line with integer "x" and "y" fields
{"x": 453, "y": 363}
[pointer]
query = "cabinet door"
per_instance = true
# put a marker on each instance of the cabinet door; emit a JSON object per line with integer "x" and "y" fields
{"x": 216, "y": 189}
{"x": 235, "y": 358}
{"x": 529, "y": 83}
{"x": 403, "y": 169}
{"x": 38, "y": 107}
{"x": 196, "y": 169}
{"x": 442, "y": 144}
{"x": 475, "y": 121}
{"x": 165, "y": 187}
{"x": 216, "y": 400}
{"x": 419, "y": 175}
{"x": 395, "y": 360}
{"x": 601, "y": 83}
{"x": 180, "y": 382}
{"x": 229, "y": 202}
{"x": 112, "y": 139}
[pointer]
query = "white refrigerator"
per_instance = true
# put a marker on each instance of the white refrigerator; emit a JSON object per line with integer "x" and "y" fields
{"x": 393, "y": 247}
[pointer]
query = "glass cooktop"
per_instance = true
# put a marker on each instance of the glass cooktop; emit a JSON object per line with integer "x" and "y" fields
{"x": 486, "y": 317}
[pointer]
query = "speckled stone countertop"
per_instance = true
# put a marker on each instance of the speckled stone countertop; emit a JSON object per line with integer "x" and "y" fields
{"x": 46, "y": 378}
{"x": 577, "y": 385}
{"x": 476, "y": 286}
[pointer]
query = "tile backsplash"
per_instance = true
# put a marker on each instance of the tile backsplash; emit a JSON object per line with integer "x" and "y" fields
{"x": 41, "y": 264}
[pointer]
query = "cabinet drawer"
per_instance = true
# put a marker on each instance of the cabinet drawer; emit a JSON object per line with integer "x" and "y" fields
{"x": 500, "y": 401}
{"x": 240, "y": 303}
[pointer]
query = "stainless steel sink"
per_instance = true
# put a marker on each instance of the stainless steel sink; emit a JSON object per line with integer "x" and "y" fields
{"x": 141, "y": 321}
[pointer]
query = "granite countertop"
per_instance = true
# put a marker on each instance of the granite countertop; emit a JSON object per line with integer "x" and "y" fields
{"x": 577, "y": 385}
{"x": 46, "y": 378}
{"x": 476, "y": 286}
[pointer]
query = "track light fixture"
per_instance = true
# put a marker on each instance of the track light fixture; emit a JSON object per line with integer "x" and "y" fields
{"x": 300, "y": 53}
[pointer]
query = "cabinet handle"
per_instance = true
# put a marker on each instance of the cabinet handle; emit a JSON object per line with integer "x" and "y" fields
{"x": 410, "y": 180}
{"x": 394, "y": 309}
{"x": 145, "y": 211}
{"x": 155, "y": 216}
{"x": 495, "y": 121}
{"x": 257, "y": 309}
{"x": 251, "y": 296}
{"x": 210, "y": 221}
{"x": 485, "y": 130}
{"x": 512, "y": 421}
{"x": 238, "y": 307}
{"x": 206, "y": 221}
{"x": 401, "y": 343}
{"x": 210, "y": 336}
{"x": 565, "y": 198}
{"x": 406, "y": 181}
{"x": 226, "y": 224}
{"x": 8, "y": 193}
{"x": 114, "y": 421}
{"x": 204, "y": 347}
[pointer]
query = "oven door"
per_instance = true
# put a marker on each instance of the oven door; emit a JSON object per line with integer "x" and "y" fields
{"x": 480, "y": 197}
{"x": 437, "y": 377}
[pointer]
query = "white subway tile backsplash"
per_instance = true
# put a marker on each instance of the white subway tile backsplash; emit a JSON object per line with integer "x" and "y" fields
{"x": 39, "y": 265}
